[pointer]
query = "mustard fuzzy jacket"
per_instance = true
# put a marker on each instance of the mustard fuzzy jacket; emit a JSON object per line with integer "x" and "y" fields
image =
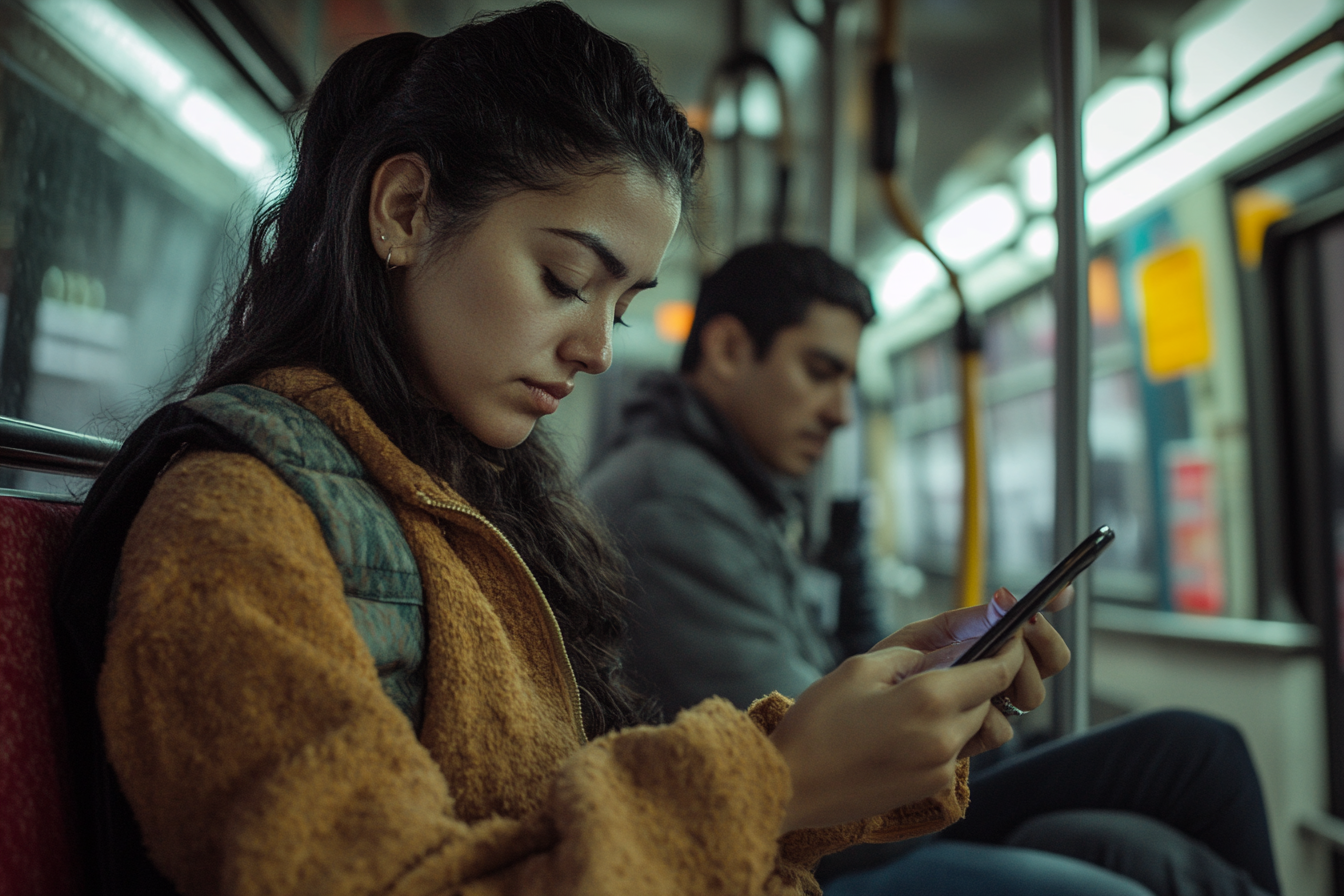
{"x": 245, "y": 720}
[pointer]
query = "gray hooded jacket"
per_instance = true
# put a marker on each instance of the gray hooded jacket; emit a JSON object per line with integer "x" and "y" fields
{"x": 724, "y": 602}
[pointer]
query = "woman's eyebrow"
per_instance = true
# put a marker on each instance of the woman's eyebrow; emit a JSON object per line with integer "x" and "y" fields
{"x": 615, "y": 267}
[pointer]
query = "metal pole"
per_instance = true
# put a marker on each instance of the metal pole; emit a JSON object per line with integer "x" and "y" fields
{"x": 1070, "y": 37}
{"x": 830, "y": 117}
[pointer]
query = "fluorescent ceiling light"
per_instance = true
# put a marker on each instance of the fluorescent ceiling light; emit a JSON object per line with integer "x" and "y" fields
{"x": 115, "y": 43}
{"x": 1124, "y": 116}
{"x": 760, "y": 107}
{"x": 792, "y": 50}
{"x": 1034, "y": 173}
{"x": 1211, "y": 61}
{"x": 204, "y": 117}
{"x": 1004, "y": 274}
{"x": 1040, "y": 239}
{"x": 1202, "y": 144}
{"x": 986, "y": 220}
{"x": 913, "y": 273}
{"x": 723, "y": 118}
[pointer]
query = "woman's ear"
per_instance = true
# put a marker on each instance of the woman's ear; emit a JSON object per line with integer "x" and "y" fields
{"x": 398, "y": 225}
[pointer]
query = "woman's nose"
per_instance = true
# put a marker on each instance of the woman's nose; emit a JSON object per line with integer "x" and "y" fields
{"x": 588, "y": 345}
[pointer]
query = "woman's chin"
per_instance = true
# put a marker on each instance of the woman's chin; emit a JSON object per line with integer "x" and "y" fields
{"x": 504, "y": 435}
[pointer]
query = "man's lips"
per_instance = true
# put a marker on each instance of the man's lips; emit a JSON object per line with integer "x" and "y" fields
{"x": 815, "y": 440}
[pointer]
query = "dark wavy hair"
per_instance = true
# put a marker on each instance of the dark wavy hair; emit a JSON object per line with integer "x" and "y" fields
{"x": 516, "y": 101}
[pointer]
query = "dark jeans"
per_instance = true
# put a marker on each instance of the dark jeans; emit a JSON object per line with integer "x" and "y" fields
{"x": 1168, "y": 800}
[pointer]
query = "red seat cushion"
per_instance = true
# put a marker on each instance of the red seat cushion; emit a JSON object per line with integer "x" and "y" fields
{"x": 36, "y": 854}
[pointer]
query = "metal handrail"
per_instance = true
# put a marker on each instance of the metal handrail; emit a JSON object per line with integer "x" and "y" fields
{"x": 45, "y": 449}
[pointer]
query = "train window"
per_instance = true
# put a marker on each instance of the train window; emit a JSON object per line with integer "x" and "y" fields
{"x": 924, "y": 470}
{"x": 1018, "y": 394}
{"x": 98, "y": 254}
{"x": 128, "y": 147}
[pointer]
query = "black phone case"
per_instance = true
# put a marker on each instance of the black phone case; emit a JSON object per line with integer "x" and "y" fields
{"x": 1068, "y": 569}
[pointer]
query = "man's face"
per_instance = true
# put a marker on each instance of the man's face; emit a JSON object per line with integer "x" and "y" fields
{"x": 787, "y": 404}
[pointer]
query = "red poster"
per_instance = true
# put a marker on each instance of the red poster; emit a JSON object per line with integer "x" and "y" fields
{"x": 1194, "y": 537}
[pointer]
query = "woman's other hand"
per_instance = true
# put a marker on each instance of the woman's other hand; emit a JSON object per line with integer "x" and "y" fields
{"x": 947, "y": 633}
{"x": 873, "y": 735}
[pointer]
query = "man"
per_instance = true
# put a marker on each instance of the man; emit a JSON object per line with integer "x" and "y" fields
{"x": 704, "y": 482}
{"x": 704, "y": 486}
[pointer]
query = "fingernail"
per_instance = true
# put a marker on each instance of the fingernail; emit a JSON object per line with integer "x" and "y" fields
{"x": 1035, "y": 617}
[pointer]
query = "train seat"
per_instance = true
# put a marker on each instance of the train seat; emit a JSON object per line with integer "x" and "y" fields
{"x": 37, "y": 849}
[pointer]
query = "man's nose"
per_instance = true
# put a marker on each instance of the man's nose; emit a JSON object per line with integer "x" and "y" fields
{"x": 839, "y": 410}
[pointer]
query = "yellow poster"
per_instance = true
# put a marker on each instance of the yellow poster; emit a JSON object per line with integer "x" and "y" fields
{"x": 1177, "y": 334}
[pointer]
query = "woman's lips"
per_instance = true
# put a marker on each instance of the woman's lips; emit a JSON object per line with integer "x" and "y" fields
{"x": 546, "y": 396}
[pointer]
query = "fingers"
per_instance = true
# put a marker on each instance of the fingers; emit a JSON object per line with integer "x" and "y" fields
{"x": 888, "y": 665}
{"x": 972, "y": 685}
{"x": 972, "y": 622}
{"x": 1027, "y": 690}
{"x": 1048, "y": 650}
{"x": 1060, "y": 600}
{"x": 872, "y": 735}
{"x": 979, "y": 726}
{"x": 950, "y": 627}
{"x": 994, "y": 732}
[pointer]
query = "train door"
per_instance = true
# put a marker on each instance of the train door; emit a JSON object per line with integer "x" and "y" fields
{"x": 1300, "y": 298}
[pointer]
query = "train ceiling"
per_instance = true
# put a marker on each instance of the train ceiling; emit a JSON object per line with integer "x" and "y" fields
{"x": 978, "y": 80}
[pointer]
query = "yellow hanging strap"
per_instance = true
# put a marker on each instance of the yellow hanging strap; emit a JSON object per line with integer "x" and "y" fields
{"x": 886, "y": 98}
{"x": 971, "y": 581}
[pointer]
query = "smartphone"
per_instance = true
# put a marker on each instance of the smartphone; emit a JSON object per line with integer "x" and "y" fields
{"x": 1055, "y": 581}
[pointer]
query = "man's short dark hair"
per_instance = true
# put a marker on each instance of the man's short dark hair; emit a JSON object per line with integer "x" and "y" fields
{"x": 769, "y": 288}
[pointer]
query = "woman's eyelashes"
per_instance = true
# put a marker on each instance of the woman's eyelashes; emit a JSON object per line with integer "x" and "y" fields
{"x": 562, "y": 290}
{"x": 559, "y": 288}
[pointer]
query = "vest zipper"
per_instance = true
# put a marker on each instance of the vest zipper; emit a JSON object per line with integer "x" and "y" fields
{"x": 576, "y": 703}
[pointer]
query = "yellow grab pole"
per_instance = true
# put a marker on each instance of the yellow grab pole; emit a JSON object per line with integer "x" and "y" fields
{"x": 971, "y": 579}
{"x": 886, "y": 113}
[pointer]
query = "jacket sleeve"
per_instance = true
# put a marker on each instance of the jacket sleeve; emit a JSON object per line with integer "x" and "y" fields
{"x": 800, "y": 850}
{"x": 247, "y": 727}
{"x": 714, "y": 611}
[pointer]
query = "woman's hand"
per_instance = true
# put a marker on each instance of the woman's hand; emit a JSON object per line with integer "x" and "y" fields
{"x": 945, "y": 633}
{"x": 872, "y": 735}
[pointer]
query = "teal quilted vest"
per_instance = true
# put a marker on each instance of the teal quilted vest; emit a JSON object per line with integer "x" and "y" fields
{"x": 382, "y": 581}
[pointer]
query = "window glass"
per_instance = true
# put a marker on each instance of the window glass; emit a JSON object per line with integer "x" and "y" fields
{"x": 1018, "y": 416}
{"x": 1020, "y": 464}
{"x": 1020, "y": 333}
{"x": 925, "y": 372}
{"x": 104, "y": 269}
{"x": 1122, "y": 495}
{"x": 926, "y": 477}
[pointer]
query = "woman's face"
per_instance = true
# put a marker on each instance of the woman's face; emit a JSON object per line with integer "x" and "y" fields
{"x": 500, "y": 321}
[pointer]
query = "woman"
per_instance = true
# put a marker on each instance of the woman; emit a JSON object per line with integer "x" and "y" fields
{"x": 361, "y": 637}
